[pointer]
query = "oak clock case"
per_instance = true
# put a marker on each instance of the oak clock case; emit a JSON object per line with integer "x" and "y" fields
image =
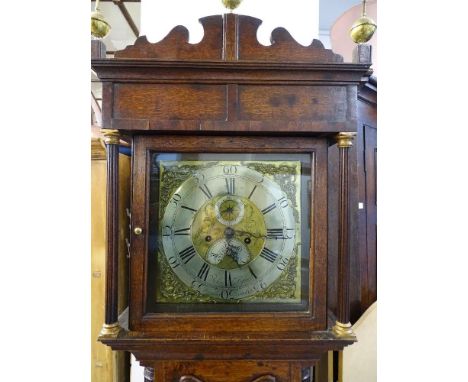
{"x": 226, "y": 232}
{"x": 241, "y": 218}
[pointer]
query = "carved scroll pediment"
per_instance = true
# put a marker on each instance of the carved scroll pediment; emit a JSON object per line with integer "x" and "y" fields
{"x": 176, "y": 46}
{"x": 229, "y": 37}
{"x": 283, "y": 46}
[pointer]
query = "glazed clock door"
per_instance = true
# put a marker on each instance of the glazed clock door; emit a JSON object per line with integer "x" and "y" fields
{"x": 229, "y": 228}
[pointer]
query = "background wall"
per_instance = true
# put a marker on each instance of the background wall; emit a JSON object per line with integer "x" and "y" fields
{"x": 304, "y": 19}
{"x": 299, "y": 17}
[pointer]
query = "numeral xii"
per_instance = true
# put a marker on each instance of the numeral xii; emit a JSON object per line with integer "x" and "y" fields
{"x": 231, "y": 185}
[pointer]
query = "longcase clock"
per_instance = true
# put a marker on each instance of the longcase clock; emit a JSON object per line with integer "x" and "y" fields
{"x": 230, "y": 201}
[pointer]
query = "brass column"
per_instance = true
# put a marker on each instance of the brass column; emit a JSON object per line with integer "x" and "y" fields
{"x": 111, "y": 325}
{"x": 342, "y": 326}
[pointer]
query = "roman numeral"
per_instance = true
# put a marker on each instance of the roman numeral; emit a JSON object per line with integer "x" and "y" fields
{"x": 203, "y": 272}
{"x": 204, "y": 188}
{"x": 230, "y": 185}
{"x": 252, "y": 272}
{"x": 187, "y": 254}
{"x": 275, "y": 233}
{"x": 227, "y": 279}
{"x": 279, "y": 233}
{"x": 268, "y": 255}
{"x": 182, "y": 232}
{"x": 188, "y": 208}
{"x": 269, "y": 208}
{"x": 251, "y": 193}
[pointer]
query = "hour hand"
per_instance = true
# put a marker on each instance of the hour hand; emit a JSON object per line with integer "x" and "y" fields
{"x": 237, "y": 252}
{"x": 215, "y": 258}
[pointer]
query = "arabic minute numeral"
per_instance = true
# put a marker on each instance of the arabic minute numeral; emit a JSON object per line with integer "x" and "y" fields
{"x": 166, "y": 231}
{"x": 200, "y": 177}
{"x": 225, "y": 294}
{"x": 229, "y": 170}
{"x": 283, "y": 202}
{"x": 176, "y": 199}
{"x": 282, "y": 264}
{"x": 173, "y": 262}
{"x": 196, "y": 285}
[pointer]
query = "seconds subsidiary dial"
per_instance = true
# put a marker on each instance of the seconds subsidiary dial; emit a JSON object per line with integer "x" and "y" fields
{"x": 228, "y": 232}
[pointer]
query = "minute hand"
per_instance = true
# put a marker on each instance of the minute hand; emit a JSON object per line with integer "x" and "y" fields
{"x": 273, "y": 235}
{"x": 244, "y": 233}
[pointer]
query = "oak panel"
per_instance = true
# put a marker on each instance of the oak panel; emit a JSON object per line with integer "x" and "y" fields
{"x": 313, "y": 103}
{"x": 170, "y": 101}
{"x": 222, "y": 371}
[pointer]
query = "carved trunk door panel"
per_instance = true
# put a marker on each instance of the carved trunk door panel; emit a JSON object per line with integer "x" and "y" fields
{"x": 227, "y": 371}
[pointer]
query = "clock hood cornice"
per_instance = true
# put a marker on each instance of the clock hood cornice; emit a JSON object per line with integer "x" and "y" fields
{"x": 151, "y": 70}
{"x": 229, "y": 41}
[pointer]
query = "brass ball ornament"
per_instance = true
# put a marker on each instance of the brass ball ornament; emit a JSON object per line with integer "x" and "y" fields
{"x": 231, "y": 4}
{"x": 100, "y": 28}
{"x": 363, "y": 28}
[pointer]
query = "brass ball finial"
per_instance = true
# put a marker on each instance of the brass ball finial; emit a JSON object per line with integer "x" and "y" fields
{"x": 231, "y": 4}
{"x": 100, "y": 28}
{"x": 363, "y": 28}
